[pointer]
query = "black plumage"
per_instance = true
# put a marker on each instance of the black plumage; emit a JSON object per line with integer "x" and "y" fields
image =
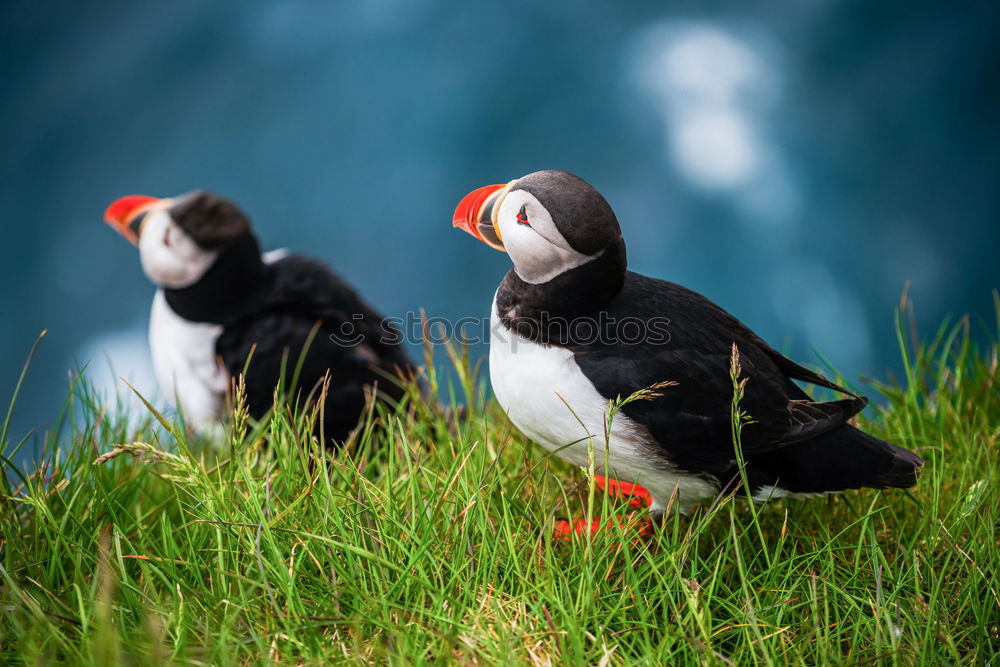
{"x": 795, "y": 442}
{"x": 269, "y": 312}
{"x": 297, "y": 295}
{"x": 210, "y": 220}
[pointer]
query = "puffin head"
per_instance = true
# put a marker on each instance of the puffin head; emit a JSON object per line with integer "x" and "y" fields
{"x": 549, "y": 222}
{"x": 179, "y": 238}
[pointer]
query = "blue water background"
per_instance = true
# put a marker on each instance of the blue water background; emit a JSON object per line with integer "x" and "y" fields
{"x": 798, "y": 162}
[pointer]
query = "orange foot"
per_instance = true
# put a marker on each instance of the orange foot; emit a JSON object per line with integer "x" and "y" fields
{"x": 565, "y": 529}
{"x": 638, "y": 497}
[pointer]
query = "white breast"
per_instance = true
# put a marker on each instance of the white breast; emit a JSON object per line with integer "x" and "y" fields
{"x": 185, "y": 363}
{"x": 184, "y": 360}
{"x": 551, "y": 401}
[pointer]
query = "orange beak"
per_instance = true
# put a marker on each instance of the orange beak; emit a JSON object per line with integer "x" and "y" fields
{"x": 476, "y": 214}
{"x": 126, "y": 215}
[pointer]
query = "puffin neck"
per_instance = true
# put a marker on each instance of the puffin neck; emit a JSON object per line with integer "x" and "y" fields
{"x": 228, "y": 289}
{"x": 541, "y": 312}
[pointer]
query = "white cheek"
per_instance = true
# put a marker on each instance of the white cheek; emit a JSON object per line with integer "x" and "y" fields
{"x": 176, "y": 264}
{"x": 536, "y": 260}
{"x": 534, "y": 257}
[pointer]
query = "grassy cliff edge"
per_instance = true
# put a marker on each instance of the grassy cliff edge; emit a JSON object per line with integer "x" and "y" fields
{"x": 429, "y": 538}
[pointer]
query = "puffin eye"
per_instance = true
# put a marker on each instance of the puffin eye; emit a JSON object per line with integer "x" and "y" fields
{"x": 522, "y": 216}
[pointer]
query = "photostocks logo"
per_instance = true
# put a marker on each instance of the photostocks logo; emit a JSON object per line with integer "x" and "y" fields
{"x": 416, "y": 329}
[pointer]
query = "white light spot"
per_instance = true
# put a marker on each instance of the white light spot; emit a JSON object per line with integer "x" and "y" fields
{"x": 714, "y": 87}
{"x": 716, "y": 149}
{"x": 121, "y": 354}
{"x": 706, "y": 67}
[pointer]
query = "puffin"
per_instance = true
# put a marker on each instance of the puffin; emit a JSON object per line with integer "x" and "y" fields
{"x": 572, "y": 330}
{"x": 223, "y": 309}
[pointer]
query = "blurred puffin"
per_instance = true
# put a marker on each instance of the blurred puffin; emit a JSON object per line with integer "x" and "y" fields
{"x": 218, "y": 299}
{"x": 560, "y": 350}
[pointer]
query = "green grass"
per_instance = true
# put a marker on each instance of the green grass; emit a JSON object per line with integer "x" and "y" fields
{"x": 429, "y": 539}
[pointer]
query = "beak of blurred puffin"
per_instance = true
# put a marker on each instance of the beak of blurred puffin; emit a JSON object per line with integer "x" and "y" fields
{"x": 128, "y": 214}
{"x": 477, "y": 214}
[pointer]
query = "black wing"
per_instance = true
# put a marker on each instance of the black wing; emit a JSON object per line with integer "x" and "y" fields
{"x": 692, "y": 420}
{"x": 353, "y": 343}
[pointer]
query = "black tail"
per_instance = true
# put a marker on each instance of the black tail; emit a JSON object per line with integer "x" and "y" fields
{"x": 844, "y": 458}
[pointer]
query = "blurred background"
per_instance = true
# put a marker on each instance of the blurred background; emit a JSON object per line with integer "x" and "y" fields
{"x": 797, "y": 162}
